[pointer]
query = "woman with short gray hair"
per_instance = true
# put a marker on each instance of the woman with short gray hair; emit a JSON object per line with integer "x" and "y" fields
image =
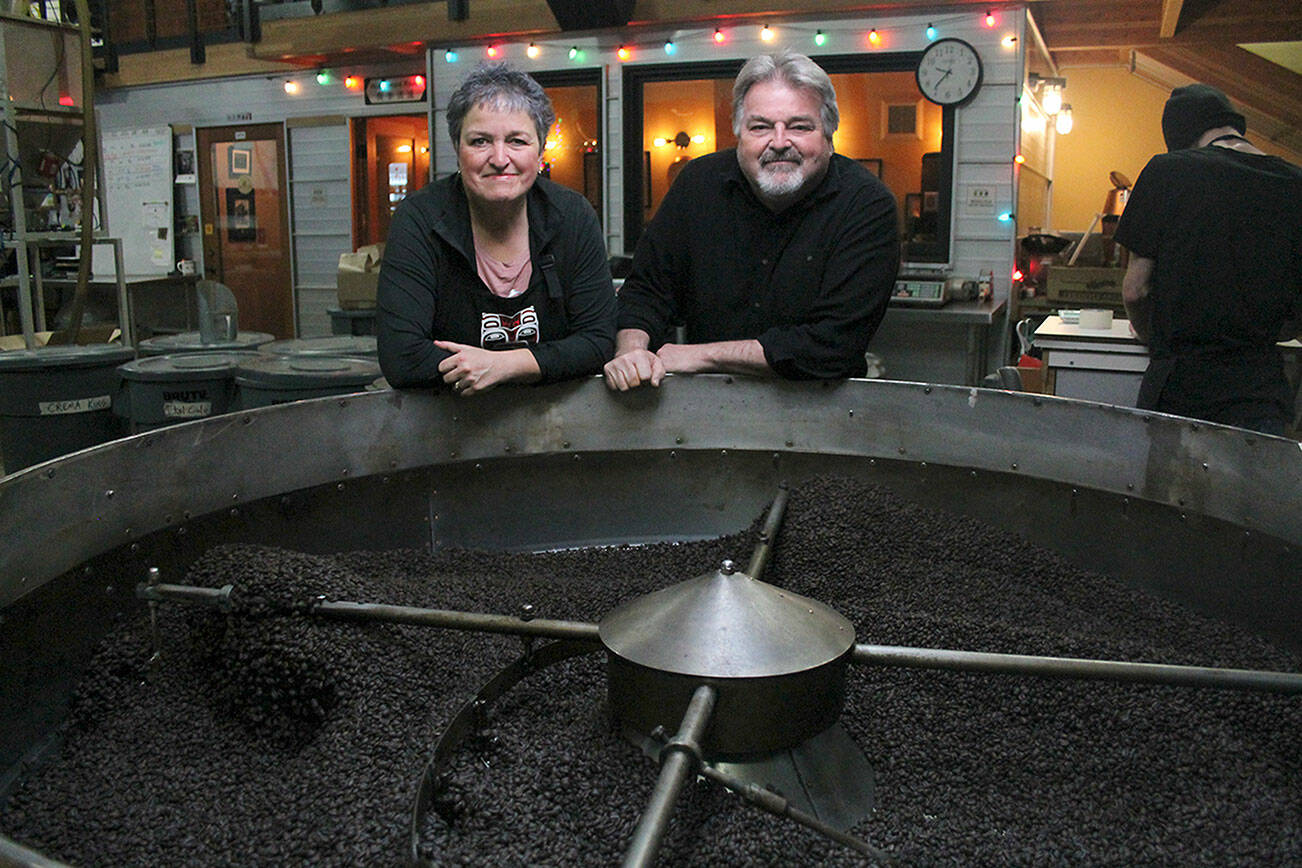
{"x": 494, "y": 275}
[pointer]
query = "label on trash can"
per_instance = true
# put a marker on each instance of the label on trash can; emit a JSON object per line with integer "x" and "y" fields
{"x": 187, "y": 409}
{"x": 75, "y": 405}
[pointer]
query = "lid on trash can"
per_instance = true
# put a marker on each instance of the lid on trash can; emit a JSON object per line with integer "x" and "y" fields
{"x": 69, "y": 356}
{"x": 186, "y": 366}
{"x": 326, "y": 345}
{"x": 307, "y": 372}
{"x": 192, "y": 342}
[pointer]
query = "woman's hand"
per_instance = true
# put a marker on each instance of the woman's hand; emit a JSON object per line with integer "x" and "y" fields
{"x": 471, "y": 369}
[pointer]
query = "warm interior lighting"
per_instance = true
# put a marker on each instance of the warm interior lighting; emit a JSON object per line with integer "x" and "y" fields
{"x": 990, "y": 18}
{"x": 698, "y": 139}
{"x": 403, "y": 149}
{"x": 1050, "y": 90}
{"x": 624, "y": 53}
{"x": 353, "y": 82}
{"x": 660, "y": 141}
{"x": 1019, "y": 159}
{"x": 767, "y": 34}
{"x": 1008, "y": 41}
{"x": 533, "y": 51}
{"x": 1063, "y": 122}
{"x": 718, "y": 36}
{"x": 291, "y": 87}
{"x": 492, "y": 51}
{"x": 418, "y": 81}
{"x": 874, "y": 37}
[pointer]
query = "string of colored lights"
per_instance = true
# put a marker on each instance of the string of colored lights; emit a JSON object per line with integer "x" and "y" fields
{"x": 822, "y": 36}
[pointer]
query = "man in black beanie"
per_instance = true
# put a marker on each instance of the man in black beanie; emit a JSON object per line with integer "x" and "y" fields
{"x": 1214, "y": 281}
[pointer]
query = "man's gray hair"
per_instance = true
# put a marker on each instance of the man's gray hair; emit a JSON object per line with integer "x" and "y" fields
{"x": 797, "y": 71}
{"x": 504, "y": 88}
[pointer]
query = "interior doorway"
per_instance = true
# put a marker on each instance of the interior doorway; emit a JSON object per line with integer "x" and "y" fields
{"x": 246, "y": 227}
{"x": 390, "y": 161}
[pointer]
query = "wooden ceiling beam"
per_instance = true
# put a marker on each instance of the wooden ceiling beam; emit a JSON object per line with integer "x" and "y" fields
{"x": 1170, "y": 18}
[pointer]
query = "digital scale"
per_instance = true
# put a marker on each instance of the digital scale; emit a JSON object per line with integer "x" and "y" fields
{"x": 922, "y": 289}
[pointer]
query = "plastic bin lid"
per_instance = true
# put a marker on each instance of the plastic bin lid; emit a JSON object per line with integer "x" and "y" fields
{"x": 185, "y": 366}
{"x": 71, "y": 356}
{"x": 305, "y": 372}
{"x": 328, "y": 345}
{"x": 192, "y": 341}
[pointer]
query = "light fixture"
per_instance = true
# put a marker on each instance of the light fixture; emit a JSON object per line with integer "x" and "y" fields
{"x": 660, "y": 141}
{"x": 990, "y": 18}
{"x": 670, "y": 48}
{"x": 931, "y": 31}
{"x": 354, "y": 82}
{"x": 1008, "y": 41}
{"x": 820, "y": 38}
{"x": 874, "y": 37}
{"x": 492, "y": 51}
{"x": 718, "y": 36}
{"x": 291, "y": 87}
{"x": 1050, "y": 90}
{"x": 323, "y": 78}
{"x": 624, "y": 53}
{"x": 450, "y": 56}
{"x": 1063, "y": 122}
{"x": 533, "y": 50}
{"x": 766, "y": 33}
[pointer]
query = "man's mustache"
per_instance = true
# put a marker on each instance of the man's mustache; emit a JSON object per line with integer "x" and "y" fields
{"x": 785, "y": 155}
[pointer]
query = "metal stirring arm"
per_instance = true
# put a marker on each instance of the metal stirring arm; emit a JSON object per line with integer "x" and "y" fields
{"x": 1072, "y": 667}
{"x": 680, "y": 757}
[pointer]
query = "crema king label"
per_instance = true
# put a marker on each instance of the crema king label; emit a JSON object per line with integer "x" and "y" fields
{"x": 74, "y": 405}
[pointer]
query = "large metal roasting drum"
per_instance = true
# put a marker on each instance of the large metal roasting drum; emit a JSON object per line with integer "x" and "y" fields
{"x": 1204, "y": 516}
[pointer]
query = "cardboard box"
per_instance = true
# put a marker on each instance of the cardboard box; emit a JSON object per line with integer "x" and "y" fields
{"x": 358, "y": 275}
{"x": 1081, "y": 285}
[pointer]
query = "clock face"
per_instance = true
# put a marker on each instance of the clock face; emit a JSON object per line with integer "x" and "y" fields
{"x": 949, "y": 72}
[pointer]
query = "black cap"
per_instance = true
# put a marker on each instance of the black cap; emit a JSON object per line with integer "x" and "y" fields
{"x": 1193, "y": 110}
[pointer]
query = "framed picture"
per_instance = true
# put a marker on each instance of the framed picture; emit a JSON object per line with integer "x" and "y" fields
{"x": 241, "y": 216}
{"x": 646, "y": 180}
{"x": 239, "y": 161}
{"x": 872, "y": 164}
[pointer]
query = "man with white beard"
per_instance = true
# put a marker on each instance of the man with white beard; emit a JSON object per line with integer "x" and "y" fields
{"x": 777, "y": 257}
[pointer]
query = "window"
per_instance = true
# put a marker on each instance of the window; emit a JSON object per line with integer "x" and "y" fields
{"x": 675, "y": 112}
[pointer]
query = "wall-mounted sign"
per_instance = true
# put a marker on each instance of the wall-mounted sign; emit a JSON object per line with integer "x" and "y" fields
{"x": 394, "y": 89}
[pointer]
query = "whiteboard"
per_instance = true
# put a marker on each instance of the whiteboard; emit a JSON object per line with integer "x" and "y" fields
{"x": 138, "y": 194}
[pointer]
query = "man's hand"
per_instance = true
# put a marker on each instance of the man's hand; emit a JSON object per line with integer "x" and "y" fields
{"x": 722, "y": 357}
{"x": 633, "y": 364}
{"x": 632, "y": 369}
{"x": 470, "y": 370}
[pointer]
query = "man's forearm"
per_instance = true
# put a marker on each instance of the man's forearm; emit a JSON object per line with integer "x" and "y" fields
{"x": 722, "y": 357}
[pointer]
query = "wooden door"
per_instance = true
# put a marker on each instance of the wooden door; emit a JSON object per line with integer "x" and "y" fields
{"x": 246, "y": 222}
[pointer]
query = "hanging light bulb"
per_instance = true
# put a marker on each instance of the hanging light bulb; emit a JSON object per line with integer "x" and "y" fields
{"x": 670, "y": 48}
{"x": 1051, "y": 102}
{"x": 990, "y": 18}
{"x": 492, "y": 51}
{"x": 353, "y": 82}
{"x": 291, "y": 87}
{"x": 1008, "y": 41}
{"x": 766, "y": 33}
{"x": 323, "y": 78}
{"x": 931, "y": 31}
{"x": 820, "y": 38}
{"x": 623, "y": 52}
{"x": 533, "y": 51}
{"x": 1063, "y": 122}
{"x": 450, "y": 55}
{"x": 874, "y": 37}
{"x": 574, "y": 52}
